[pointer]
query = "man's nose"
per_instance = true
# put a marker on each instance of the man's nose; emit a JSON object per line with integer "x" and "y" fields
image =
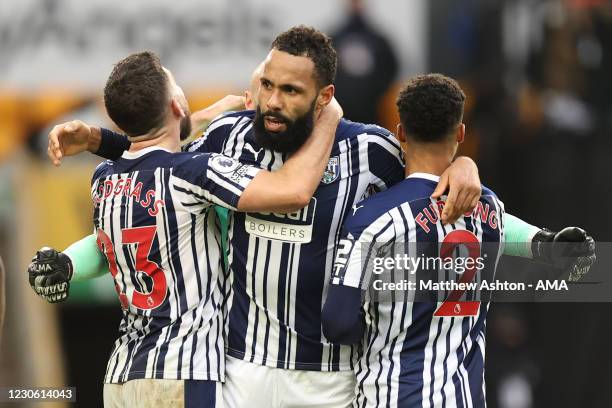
{"x": 275, "y": 102}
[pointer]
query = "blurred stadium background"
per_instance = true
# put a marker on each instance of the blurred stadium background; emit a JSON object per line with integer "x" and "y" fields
{"x": 538, "y": 74}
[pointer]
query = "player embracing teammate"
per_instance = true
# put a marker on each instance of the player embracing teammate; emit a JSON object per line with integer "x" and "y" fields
{"x": 280, "y": 264}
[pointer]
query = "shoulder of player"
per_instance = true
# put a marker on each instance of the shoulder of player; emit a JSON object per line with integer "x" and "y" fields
{"x": 229, "y": 119}
{"x": 487, "y": 191}
{"x": 235, "y": 115}
{"x": 348, "y": 130}
{"x": 189, "y": 159}
{"x": 194, "y": 163}
{"x": 102, "y": 168}
{"x": 371, "y": 212}
{"x": 226, "y": 122}
{"x": 488, "y": 195}
{"x": 414, "y": 192}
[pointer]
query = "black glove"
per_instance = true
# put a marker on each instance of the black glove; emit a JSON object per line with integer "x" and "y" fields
{"x": 49, "y": 275}
{"x": 569, "y": 249}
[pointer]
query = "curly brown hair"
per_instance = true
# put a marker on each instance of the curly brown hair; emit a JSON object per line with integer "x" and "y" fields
{"x": 303, "y": 41}
{"x": 136, "y": 93}
{"x": 430, "y": 107}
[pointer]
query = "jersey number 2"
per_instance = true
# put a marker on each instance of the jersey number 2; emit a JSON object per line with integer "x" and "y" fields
{"x": 143, "y": 238}
{"x": 451, "y": 305}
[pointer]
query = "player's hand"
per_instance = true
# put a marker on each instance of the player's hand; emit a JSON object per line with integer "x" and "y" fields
{"x": 332, "y": 111}
{"x": 571, "y": 249}
{"x": 68, "y": 139}
{"x": 463, "y": 184}
{"x": 49, "y": 275}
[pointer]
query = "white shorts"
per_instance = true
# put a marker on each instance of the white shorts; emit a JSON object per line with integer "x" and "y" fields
{"x": 146, "y": 393}
{"x": 256, "y": 386}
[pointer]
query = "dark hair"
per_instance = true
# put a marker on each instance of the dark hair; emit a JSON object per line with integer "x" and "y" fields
{"x": 136, "y": 93}
{"x": 303, "y": 41}
{"x": 430, "y": 106}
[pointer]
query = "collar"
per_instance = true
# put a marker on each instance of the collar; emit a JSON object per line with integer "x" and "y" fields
{"x": 135, "y": 155}
{"x": 427, "y": 176}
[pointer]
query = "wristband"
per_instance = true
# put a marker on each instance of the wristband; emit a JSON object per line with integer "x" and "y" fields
{"x": 112, "y": 145}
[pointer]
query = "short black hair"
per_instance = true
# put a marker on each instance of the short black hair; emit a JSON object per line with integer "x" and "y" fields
{"x": 430, "y": 107}
{"x": 303, "y": 41}
{"x": 136, "y": 94}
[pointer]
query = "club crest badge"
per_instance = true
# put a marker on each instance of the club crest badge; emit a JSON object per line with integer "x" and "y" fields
{"x": 332, "y": 172}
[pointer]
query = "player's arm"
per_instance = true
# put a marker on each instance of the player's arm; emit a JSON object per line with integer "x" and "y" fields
{"x": 74, "y": 137}
{"x": 51, "y": 272}
{"x": 342, "y": 316}
{"x": 571, "y": 249}
{"x": 461, "y": 179}
{"x": 291, "y": 187}
{"x": 217, "y": 179}
{"x": 462, "y": 182}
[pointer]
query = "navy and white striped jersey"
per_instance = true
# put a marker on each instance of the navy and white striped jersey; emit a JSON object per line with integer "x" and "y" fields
{"x": 152, "y": 219}
{"x": 281, "y": 263}
{"x": 426, "y": 353}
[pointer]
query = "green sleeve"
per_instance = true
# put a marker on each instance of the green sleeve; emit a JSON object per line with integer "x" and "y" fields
{"x": 223, "y": 215}
{"x": 87, "y": 260}
{"x": 518, "y": 236}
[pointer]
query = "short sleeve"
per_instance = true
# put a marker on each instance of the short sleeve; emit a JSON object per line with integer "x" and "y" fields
{"x": 385, "y": 160}
{"x": 213, "y": 179}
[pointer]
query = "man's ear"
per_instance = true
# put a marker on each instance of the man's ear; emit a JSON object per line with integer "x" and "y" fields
{"x": 461, "y": 133}
{"x": 249, "y": 102}
{"x": 325, "y": 96}
{"x": 177, "y": 109}
{"x": 401, "y": 133}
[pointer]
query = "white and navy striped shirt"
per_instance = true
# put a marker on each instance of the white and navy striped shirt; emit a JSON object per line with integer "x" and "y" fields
{"x": 152, "y": 219}
{"x": 416, "y": 352}
{"x": 281, "y": 263}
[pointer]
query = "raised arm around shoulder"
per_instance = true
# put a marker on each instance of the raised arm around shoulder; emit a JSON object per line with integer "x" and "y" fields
{"x": 75, "y": 137}
{"x": 462, "y": 181}
{"x": 291, "y": 187}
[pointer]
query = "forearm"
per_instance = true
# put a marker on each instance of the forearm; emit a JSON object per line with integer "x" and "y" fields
{"x": 94, "y": 140}
{"x": 342, "y": 317}
{"x": 291, "y": 188}
{"x": 302, "y": 172}
{"x": 87, "y": 260}
{"x": 518, "y": 236}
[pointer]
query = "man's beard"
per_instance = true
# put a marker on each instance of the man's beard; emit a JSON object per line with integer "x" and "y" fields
{"x": 292, "y": 138}
{"x": 185, "y": 126}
